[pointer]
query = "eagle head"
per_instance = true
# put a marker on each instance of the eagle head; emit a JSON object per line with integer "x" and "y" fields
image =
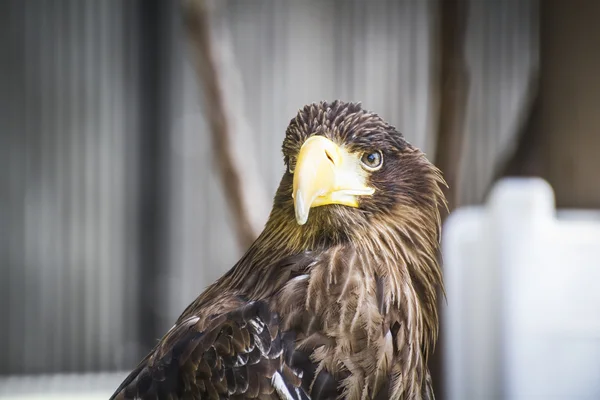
{"x": 350, "y": 175}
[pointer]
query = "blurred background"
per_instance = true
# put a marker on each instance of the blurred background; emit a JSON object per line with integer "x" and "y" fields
{"x": 117, "y": 117}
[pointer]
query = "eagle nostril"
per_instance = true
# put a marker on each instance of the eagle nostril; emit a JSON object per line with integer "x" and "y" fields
{"x": 329, "y": 157}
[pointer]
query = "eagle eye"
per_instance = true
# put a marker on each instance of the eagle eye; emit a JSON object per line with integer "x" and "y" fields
{"x": 372, "y": 161}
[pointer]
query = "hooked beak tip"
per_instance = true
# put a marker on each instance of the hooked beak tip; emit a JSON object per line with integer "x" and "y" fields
{"x": 301, "y": 209}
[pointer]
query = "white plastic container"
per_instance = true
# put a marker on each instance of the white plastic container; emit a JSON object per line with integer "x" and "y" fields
{"x": 522, "y": 319}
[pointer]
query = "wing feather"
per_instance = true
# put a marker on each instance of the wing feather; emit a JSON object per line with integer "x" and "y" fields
{"x": 238, "y": 354}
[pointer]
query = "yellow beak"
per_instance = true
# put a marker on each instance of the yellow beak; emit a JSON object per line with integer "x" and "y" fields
{"x": 326, "y": 173}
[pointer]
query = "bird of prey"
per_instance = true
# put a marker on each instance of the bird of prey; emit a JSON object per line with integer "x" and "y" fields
{"x": 336, "y": 299}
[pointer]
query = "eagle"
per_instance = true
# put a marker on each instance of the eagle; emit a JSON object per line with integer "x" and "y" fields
{"x": 337, "y": 297}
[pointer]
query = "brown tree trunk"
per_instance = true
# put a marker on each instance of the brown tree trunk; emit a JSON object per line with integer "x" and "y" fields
{"x": 454, "y": 85}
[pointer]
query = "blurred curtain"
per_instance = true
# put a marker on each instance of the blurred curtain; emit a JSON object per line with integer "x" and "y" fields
{"x": 502, "y": 60}
{"x": 81, "y": 194}
{"x": 112, "y": 215}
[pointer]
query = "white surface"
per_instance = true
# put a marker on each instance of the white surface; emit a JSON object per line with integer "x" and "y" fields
{"x": 523, "y": 302}
{"x": 60, "y": 386}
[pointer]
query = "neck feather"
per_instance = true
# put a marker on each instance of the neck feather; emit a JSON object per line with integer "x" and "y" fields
{"x": 403, "y": 246}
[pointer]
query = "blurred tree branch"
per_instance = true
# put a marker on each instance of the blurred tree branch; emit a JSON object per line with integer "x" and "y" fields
{"x": 209, "y": 65}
